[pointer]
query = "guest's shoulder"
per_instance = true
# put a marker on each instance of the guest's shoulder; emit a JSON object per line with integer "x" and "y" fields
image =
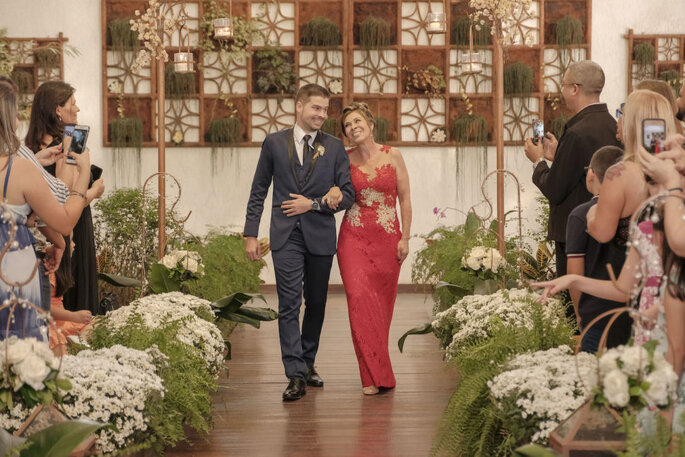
{"x": 581, "y": 210}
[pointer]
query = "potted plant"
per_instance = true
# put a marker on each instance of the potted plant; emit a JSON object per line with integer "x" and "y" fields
{"x": 644, "y": 56}
{"x": 320, "y": 31}
{"x": 518, "y": 79}
{"x": 274, "y": 71}
{"x": 374, "y": 33}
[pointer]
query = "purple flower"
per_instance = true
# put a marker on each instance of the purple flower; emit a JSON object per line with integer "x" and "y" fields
{"x": 436, "y": 210}
{"x": 443, "y": 214}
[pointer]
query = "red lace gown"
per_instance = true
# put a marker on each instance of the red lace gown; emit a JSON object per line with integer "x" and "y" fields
{"x": 367, "y": 255}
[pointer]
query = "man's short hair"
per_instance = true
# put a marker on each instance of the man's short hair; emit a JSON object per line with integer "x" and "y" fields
{"x": 603, "y": 158}
{"x": 588, "y": 75}
{"x": 311, "y": 90}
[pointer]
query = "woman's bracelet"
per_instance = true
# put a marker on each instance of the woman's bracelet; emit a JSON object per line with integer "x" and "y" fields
{"x": 672, "y": 189}
{"x": 76, "y": 192}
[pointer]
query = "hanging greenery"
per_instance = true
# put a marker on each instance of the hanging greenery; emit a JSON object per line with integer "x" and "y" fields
{"x": 275, "y": 73}
{"x": 178, "y": 85}
{"x": 460, "y": 33}
{"x": 374, "y": 33}
{"x": 320, "y": 31}
{"x": 123, "y": 38}
{"x": 470, "y": 128}
{"x": 126, "y": 132}
{"x": 380, "y": 129}
{"x": 518, "y": 79}
{"x": 23, "y": 80}
{"x": 644, "y": 54}
{"x": 330, "y": 126}
{"x": 46, "y": 57}
{"x": 6, "y": 57}
{"x": 673, "y": 78}
{"x": 558, "y": 125}
{"x": 569, "y": 31}
{"x": 226, "y": 131}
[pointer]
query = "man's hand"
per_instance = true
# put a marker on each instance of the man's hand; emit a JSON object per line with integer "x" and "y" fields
{"x": 53, "y": 257}
{"x": 549, "y": 146}
{"x": 533, "y": 151}
{"x": 299, "y": 205}
{"x": 252, "y": 248}
{"x": 333, "y": 198}
{"x": 50, "y": 155}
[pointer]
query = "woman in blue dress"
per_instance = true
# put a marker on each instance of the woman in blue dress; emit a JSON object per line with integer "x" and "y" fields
{"x": 24, "y": 191}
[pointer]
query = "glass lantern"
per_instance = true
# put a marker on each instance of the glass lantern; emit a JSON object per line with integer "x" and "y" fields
{"x": 470, "y": 62}
{"x": 436, "y": 23}
{"x": 223, "y": 28}
{"x": 183, "y": 62}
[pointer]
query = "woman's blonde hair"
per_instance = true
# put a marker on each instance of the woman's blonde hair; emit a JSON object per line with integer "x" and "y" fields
{"x": 362, "y": 108}
{"x": 9, "y": 143}
{"x": 665, "y": 89}
{"x": 643, "y": 104}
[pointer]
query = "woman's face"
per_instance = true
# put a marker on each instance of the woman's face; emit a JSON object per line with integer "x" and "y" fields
{"x": 69, "y": 112}
{"x": 357, "y": 128}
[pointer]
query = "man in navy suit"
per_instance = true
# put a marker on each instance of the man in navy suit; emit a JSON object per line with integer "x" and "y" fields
{"x": 310, "y": 171}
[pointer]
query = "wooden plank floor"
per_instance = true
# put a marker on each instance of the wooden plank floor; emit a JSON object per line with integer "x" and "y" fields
{"x": 251, "y": 420}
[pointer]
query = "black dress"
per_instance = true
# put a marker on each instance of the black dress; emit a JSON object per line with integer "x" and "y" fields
{"x": 84, "y": 293}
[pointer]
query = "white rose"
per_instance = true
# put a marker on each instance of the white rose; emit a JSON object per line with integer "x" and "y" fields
{"x": 635, "y": 360}
{"x": 661, "y": 385}
{"x": 616, "y": 388}
{"x": 33, "y": 371}
{"x": 43, "y": 351}
{"x": 17, "y": 349}
{"x": 190, "y": 264}
{"x": 169, "y": 260}
{"x": 473, "y": 263}
{"x": 478, "y": 252}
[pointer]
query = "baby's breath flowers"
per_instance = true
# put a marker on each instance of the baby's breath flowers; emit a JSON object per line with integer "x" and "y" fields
{"x": 152, "y": 25}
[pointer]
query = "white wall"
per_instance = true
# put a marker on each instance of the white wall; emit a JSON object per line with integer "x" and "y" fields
{"x": 217, "y": 192}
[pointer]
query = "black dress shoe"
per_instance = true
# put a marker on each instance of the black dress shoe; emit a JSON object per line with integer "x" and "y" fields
{"x": 295, "y": 389}
{"x": 313, "y": 378}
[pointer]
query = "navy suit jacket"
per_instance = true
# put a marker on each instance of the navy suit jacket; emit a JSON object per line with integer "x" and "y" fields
{"x": 332, "y": 168}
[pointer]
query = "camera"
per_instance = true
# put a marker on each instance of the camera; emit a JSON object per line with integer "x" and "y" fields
{"x": 653, "y": 135}
{"x": 538, "y": 130}
{"x": 75, "y": 137}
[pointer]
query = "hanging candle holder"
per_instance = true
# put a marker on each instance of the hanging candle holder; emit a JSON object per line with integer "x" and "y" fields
{"x": 183, "y": 61}
{"x": 436, "y": 23}
{"x": 470, "y": 62}
{"x": 223, "y": 28}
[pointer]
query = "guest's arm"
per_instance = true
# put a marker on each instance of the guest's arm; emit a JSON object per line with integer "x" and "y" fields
{"x": 559, "y": 180}
{"x": 602, "y": 219}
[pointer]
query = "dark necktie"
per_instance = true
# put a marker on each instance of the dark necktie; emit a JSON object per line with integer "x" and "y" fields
{"x": 307, "y": 151}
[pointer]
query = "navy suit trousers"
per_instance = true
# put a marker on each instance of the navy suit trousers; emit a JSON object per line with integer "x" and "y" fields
{"x": 299, "y": 271}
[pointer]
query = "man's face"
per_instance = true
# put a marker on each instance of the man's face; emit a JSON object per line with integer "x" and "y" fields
{"x": 312, "y": 114}
{"x": 569, "y": 90}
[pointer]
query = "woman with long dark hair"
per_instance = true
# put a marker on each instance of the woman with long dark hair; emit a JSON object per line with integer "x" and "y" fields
{"x": 54, "y": 106}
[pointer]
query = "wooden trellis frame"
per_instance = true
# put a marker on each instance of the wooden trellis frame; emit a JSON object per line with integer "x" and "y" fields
{"x": 670, "y": 55}
{"x": 412, "y": 53}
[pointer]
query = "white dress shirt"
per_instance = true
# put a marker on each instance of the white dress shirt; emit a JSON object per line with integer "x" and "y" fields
{"x": 298, "y": 135}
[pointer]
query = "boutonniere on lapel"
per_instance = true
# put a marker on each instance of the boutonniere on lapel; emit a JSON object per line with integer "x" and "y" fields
{"x": 319, "y": 150}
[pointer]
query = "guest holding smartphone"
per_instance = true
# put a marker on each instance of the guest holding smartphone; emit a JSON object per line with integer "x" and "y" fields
{"x": 54, "y": 106}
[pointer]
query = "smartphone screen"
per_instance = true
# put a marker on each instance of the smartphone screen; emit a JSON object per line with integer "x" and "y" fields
{"x": 76, "y": 141}
{"x": 653, "y": 135}
{"x": 538, "y": 130}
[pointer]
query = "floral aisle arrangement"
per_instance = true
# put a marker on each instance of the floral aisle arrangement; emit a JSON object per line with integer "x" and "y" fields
{"x": 182, "y": 327}
{"x": 473, "y": 423}
{"x": 635, "y": 377}
{"x": 477, "y": 317}
{"x": 486, "y": 262}
{"x": 538, "y": 390}
{"x": 28, "y": 377}
{"x": 191, "y": 316}
{"x": 116, "y": 385}
{"x": 174, "y": 270}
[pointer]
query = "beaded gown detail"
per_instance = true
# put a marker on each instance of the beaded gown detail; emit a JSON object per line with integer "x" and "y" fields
{"x": 367, "y": 256}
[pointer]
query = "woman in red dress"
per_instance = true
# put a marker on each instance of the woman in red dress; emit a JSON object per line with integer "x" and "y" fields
{"x": 371, "y": 245}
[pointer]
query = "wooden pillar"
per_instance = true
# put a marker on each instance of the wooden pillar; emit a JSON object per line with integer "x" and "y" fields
{"x": 161, "y": 157}
{"x": 498, "y": 65}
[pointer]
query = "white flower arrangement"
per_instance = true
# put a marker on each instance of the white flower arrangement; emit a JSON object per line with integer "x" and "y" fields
{"x": 474, "y": 316}
{"x": 438, "y": 135}
{"x": 636, "y": 376}
{"x": 158, "y": 311}
{"x": 481, "y": 258}
{"x": 148, "y": 24}
{"x": 189, "y": 260}
{"x": 113, "y": 385}
{"x": 499, "y": 13}
{"x": 546, "y": 387}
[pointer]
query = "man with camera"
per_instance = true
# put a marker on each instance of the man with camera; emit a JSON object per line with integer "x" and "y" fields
{"x": 590, "y": 128}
